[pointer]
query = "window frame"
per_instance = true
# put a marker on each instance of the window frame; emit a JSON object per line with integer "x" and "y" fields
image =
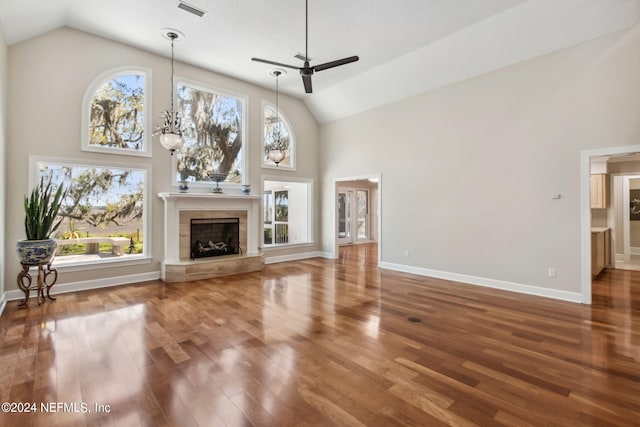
{"x": 267, "y": 164}
{"x": 87, "y": 99}
{"x": 244, "y": 156}
{"x": 146, "y": 255}
{"x": 310, "y": 211}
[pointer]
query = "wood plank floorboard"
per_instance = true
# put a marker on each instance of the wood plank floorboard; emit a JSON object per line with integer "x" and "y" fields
{"x": 324, "y": 343}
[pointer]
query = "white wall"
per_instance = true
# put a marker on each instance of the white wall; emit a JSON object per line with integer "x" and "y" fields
{"x": 298, "y": 203}
{"x": 4, "y": 85}
{"x": 469, "y": 170}
{"x": 48, "y": 76}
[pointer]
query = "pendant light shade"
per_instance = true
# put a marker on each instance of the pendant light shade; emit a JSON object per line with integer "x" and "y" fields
{"x": 277, "y": 154}
{"x": 171, "y": 130}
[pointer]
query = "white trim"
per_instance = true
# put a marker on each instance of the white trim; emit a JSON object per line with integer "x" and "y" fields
{"x": 585, "y": 211}
{"x": 146, "y": 203}
{"x": 84, "y": 285}
{"x": 489, "y": 283}
{"x": 86, "y": 111}
{"x": 311, "y": 232}
{"x": 293, "y": 257}
{"x": 64, "y": 266}
{"x": 244, "y": 161}
{"x": 279, "y": 246}
{"x": 635, "y": 250}
{"x": 3, "y": 302}
{"x": 292, "y": 140}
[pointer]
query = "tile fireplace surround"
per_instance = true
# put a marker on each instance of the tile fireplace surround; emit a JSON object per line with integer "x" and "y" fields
{"x": 180, "y": 208}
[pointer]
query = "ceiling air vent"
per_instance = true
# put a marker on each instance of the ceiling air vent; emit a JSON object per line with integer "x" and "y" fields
{"x": 191, "y": 9}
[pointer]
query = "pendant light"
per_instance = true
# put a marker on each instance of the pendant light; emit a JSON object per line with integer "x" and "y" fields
{"x": 277, "y": 154}
{"x": 171, "y": 130}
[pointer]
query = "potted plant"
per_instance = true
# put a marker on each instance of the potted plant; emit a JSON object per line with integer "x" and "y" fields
{"x": 40, "y": 221}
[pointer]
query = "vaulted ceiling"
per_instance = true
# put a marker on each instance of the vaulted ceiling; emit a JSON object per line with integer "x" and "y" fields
{"x": 406, "y": 47}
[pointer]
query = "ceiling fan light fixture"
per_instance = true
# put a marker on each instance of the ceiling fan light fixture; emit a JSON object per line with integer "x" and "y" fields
{"x": 306, "y": 71}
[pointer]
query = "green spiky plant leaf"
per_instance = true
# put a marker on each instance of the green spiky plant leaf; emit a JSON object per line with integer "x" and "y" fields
{"x": 41, "y": 210}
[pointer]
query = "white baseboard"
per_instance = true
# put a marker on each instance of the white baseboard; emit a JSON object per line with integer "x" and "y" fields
{"x": 292, "y": 257}
{"x": 16, "y": 294}
{"x": 489, "y": 283}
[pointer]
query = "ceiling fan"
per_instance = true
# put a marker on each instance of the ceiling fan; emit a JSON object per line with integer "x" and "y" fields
{"x": 306, "y": 71}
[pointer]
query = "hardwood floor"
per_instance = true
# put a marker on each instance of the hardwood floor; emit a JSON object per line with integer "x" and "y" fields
{"x": 322, "y": 342}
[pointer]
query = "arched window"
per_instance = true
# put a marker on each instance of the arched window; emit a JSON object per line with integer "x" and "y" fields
{"x": 115, "y": 113}
{"x": 270, "y": 129}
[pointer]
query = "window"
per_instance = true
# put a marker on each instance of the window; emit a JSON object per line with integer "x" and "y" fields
{"x": 104, "y": 213}
{"x": 115, "y": 113}
{"x": 213, "y": 124}
{"x": 287, "y": 212}
{"x": 270, "y": 131}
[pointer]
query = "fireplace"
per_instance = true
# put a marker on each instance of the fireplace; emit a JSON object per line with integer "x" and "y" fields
{"x": 214, "y": 237}
{"x": 240, "y": 212}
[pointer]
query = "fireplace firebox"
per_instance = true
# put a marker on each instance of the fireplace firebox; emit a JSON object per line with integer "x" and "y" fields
{"x": 215, "y": 237}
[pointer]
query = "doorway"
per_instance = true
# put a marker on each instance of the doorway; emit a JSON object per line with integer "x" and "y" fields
{"x": 357, "y": 211}
{"x": 354, "y": 216}
{"x": 623, "y": 159}
{"x": 625, "y": 224}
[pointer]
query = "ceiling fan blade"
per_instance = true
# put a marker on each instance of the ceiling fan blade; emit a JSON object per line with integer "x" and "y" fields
{"x": 306, "y": 80}
{"x": 335, "y": 63}
{"x": 266, "y": 61}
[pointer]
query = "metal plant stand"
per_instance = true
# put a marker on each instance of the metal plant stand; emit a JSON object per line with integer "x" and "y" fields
{"x": 47, "y": 277}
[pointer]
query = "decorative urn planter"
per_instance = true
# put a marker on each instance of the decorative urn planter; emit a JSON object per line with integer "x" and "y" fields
{"x": 34, "y": 252}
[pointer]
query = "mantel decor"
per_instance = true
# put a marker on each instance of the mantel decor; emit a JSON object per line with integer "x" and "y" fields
{"x": 217, "y": 178}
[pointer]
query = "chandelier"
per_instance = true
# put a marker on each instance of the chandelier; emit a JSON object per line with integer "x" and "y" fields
{"x": 171, "y": 130}
{"x": 277, "y": 153}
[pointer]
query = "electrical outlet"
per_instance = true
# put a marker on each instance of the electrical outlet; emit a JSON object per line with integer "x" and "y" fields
{"x": 406, "y": 254}
{"x": 551, "y": 272}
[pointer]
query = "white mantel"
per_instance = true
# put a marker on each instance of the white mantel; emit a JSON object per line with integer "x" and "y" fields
{"x": 176, "y": 202}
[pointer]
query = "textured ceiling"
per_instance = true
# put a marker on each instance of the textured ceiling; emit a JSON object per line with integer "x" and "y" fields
{"x": 406, "y": 47}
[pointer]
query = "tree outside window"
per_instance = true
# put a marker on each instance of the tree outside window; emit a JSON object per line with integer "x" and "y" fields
{"x": 115, "y": 116}
{"x": 101, "y": 201}
{"x": 213, "y": 125}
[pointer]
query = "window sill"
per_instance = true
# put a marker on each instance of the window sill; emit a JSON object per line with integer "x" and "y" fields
{"x": 92, "y": 262}
{"x": 268, "y": 248}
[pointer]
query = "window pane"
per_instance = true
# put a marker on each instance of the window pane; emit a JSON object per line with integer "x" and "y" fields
{"x": 103, "y": 212}
{"x": 344, "y": 215}
{"x": 117, "y": 113}
{"x": 268, "y": 207}
{"x": 268, "y": 235}
{"x": 363, "y": 211}
{"x": 282, "y": 233}
{"x": 212, "y": 125}
{"x": 282, "y": 205}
